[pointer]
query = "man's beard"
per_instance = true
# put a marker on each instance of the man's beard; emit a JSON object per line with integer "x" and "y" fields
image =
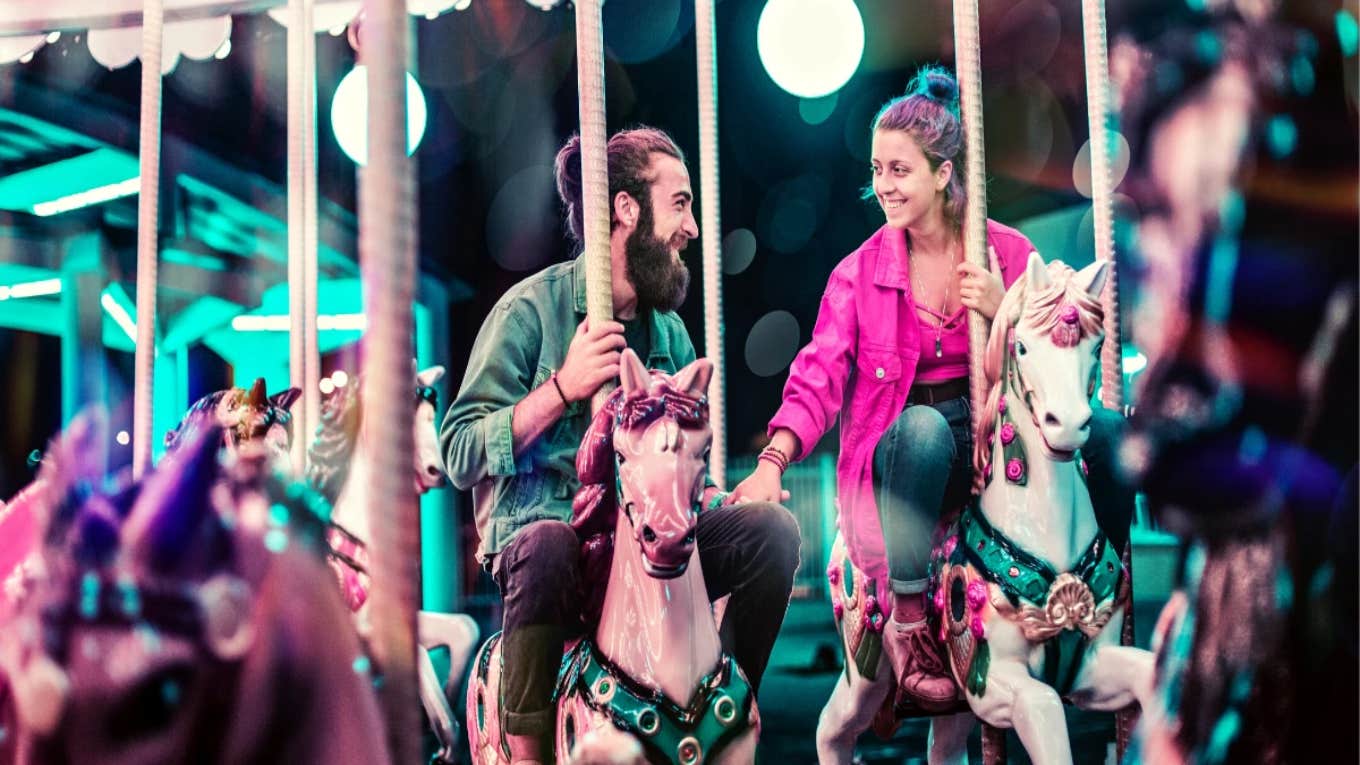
{"x": 660, "y": 281}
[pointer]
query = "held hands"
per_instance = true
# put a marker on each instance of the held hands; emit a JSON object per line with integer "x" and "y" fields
{"x": 592, "y": 359}
{"x": 980, "y": 289}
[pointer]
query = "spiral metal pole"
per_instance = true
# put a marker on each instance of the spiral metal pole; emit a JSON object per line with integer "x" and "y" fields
{"x": 594, "y": 168}
{"x": 148, "y": 234}
{"x": 1102, "y": 192}
{"x": 303, "y": 356}
{"x": 387, "y": 264}
{"x": 705, "y": 36}
{"x": 968, "y": 69}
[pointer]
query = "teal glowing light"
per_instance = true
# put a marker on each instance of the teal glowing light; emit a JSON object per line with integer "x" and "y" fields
{"x": 1282, "y": 136}
{"x": 1347, "y": 32}
{"x": 810, "y": 48}
{"x": 121, "y": 309}
{"x": 349, "y": 114}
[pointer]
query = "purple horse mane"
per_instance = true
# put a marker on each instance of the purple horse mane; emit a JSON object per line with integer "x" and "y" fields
{"x": 165, "y": 628}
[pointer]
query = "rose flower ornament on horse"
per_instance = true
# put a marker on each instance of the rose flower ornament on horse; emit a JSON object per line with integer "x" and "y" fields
{"x": 653, "y": 666}
{"x": 1028, "y": 595}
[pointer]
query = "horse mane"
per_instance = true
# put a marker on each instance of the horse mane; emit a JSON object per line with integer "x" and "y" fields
{"x": 330, "y": 453}
{"x": 201, "y": 412}
{"x": 1041, "y": 311}
{"x": 332, "y": 450}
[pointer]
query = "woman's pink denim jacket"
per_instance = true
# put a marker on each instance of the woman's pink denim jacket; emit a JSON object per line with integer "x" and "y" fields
{"x": 862, "y": 360}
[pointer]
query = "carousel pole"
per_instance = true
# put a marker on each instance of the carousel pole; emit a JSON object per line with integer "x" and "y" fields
{"x": 594, "y": 169}
{"x": 705, "y": 36}
{"x": 968, "y": 69}
{"x": 1102, "y": 191}
{"x": 148, "y": 234}
{"x": 1096, "y": 54}
{"x": 387, "y": 264}
{"x": 303, "y": 359}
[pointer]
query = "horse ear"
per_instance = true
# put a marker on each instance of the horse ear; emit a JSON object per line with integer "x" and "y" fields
{"x": 633, "y": 375}
{"x": 166, "y": 520}
{"x": 284, "y": 399}
{"x": 1036, "y": 273}
{"x": 428, "y": 377}
{"x": 256, "y": 398}
{"x": 1092, "y": 278}
{"x": 693, "y": 379}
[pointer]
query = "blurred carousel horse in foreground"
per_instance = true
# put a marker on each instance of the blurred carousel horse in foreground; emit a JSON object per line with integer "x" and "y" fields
{"x": 164, "y": 628}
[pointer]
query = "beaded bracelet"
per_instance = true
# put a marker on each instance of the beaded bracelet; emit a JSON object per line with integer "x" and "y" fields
{"x": 774, "y": 457}
{"x": 558, "y": 386}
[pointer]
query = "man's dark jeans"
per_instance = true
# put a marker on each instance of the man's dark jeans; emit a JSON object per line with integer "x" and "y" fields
{"x": 748, "y": 551}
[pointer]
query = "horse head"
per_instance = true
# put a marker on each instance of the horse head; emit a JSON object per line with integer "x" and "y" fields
{"x": 243, "y": 415}
{"x": 661, "y": 440}
{"x": 429, "y": 467}
{"x": 1045, "y": 349}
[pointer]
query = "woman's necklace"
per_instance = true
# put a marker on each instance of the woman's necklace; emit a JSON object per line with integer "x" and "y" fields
{"x": 944, "y": 305}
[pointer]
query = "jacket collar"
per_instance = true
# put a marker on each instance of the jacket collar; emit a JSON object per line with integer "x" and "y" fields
{"x": 891, "y": 268}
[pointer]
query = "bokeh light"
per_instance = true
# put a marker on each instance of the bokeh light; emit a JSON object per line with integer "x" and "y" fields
{"x": 792, "y": 211}
{"x": 523, "y": 220}
{"x": 738, "y": 250}
{"x": 815, "y": 111}
{"x": 640, "y": 30}
{"x": 349, "y": 114}
{"x": 772, "y": 343}
{"x": 1119, "y": 165}
{"x": 810, "y": 48}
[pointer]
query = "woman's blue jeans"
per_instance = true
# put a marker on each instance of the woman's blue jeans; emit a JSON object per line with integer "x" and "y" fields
{"x": 924, "y": 463}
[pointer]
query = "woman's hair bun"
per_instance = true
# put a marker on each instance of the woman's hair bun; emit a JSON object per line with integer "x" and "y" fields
{"x": 937, "y": 84}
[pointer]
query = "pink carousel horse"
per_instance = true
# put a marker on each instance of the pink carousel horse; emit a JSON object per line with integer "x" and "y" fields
{"x": 653, "y": 667}
{"x": 1029, "y": 598}
{"x": 165, "y": 629}
{"x": 338, "y": 466}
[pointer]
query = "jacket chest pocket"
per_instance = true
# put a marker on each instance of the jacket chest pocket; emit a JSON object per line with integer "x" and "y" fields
{"x": 882, "y": 366}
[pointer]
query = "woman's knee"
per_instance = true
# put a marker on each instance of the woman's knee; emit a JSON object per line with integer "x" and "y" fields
{"x": 921, "y": 434}
{"x": 777, "y": 528}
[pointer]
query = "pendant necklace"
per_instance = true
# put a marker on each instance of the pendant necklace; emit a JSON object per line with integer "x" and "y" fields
{"x": 944, "y": 306}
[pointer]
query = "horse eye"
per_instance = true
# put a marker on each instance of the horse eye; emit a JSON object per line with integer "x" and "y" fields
{"x": 1019, "y": 348}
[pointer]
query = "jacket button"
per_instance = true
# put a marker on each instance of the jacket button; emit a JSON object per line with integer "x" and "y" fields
{"x": 879, "y": 373}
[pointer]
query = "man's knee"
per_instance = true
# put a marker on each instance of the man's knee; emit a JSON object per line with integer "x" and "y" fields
{"x": 777, "y": 529}
{"x": 550, "y": 548}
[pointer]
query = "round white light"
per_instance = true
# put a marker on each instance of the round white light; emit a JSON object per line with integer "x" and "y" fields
{"x": 810, "y": 47}
{"x": 340, "y": 378}
{"x": 123, "y": 438}
{"x": 349, "y": 114}
{"x": 326, "y": 386}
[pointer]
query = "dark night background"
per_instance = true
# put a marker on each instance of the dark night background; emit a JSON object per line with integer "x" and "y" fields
{"x": 499, "y": 80}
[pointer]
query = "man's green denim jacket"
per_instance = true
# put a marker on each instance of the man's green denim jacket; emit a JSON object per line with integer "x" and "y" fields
{"x": 521, "y": 343}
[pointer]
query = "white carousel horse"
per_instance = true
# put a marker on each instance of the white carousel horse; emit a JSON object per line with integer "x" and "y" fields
{"x": 1025, "y": 586}
{"x": 654, "y": 666}
{"x": 339, "y": 467}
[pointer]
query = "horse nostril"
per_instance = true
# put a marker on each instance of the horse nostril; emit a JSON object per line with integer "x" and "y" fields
{"x": 648, "y": 535}
{"x": 1086, "y": 424}
{"x": 689, "y": 538}
{"x": 433, "y": 471}
{"x": 1049, "y": 419}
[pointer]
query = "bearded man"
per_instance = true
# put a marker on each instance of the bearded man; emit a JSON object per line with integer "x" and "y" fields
{"x": 513, "y": 431}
